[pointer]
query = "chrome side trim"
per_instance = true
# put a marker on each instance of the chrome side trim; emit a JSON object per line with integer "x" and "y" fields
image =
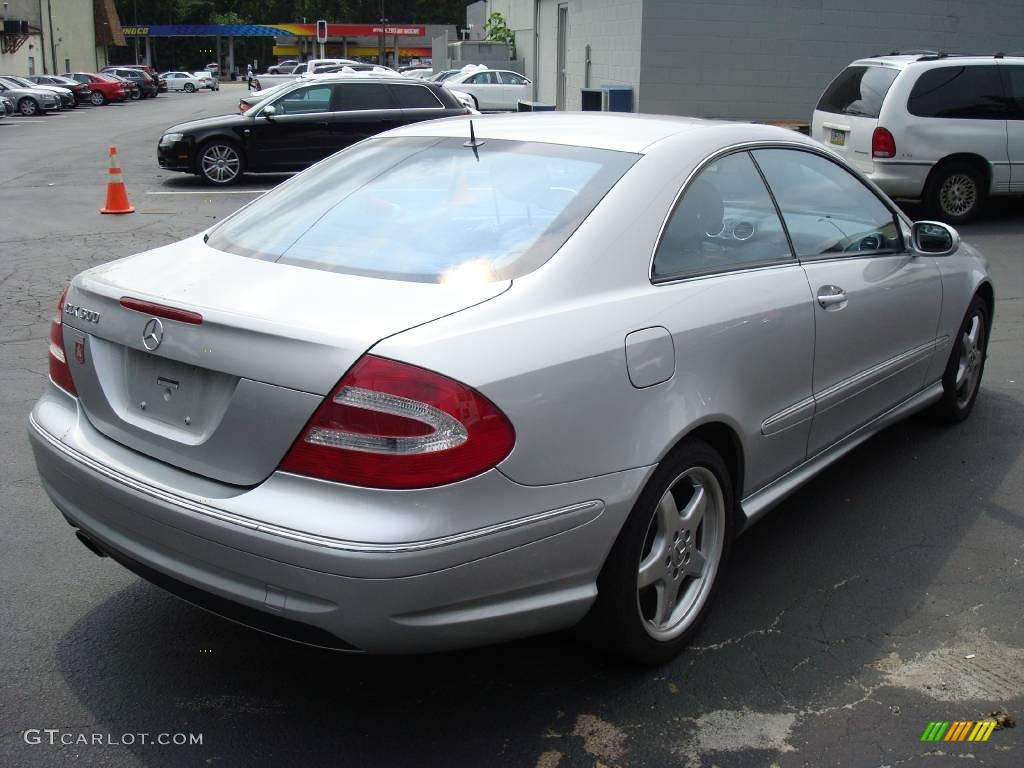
{"x": 844, "y": 390}
{"x": 594, "y": 507}
{"x": 761, "y": 501}
{"x": 789, "y": 417}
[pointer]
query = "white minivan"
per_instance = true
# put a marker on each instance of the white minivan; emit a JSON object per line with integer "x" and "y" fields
{"x": 944, "y": 129}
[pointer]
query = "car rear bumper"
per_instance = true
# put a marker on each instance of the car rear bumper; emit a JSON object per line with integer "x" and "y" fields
{"x": 523, "y": 576}
{"x": 899, "y": 179}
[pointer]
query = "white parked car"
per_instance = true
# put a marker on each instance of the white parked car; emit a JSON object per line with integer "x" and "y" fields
{"x": 948, "y": 130}
{"x": 492, "y": 89}
{"x": 183, "y": 81}
{"x": 208, "y": 79}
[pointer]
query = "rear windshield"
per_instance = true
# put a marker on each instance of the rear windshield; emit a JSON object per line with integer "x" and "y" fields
{"x": 858, "y": 91}
{"x": 427, "y": 209}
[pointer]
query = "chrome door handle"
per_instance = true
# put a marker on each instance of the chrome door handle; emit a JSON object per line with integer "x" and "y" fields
{"x": 831, "y": 296}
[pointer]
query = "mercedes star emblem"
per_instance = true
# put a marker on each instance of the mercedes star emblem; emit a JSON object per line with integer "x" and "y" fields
{"x": 152, "y": 334}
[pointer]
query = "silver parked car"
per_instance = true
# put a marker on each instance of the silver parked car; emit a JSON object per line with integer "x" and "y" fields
{"x": 472, "y": 380}
{"x": 29, "y": 101}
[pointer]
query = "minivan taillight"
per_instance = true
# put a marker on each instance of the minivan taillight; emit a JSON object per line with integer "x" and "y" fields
{"x": 398, "y": 426}
{"x": 60, "y": 371}
{"x": 882, "y": 143}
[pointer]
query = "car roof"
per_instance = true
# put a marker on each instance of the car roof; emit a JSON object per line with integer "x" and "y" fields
{"x": 926, "y": 58}
{"x": 623, "y": 132}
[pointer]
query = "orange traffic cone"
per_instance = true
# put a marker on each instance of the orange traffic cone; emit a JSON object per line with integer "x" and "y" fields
{"x": 117, "y": 197}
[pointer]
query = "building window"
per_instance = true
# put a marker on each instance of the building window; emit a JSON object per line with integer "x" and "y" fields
{"x": 31, "y": 65}
{"x": 67, "y": 65}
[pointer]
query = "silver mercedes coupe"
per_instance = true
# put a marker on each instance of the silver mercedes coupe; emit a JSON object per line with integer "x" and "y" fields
{"x": 476, "y": 379}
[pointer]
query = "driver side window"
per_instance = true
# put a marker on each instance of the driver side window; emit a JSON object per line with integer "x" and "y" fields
{"x": 828, "y": 211}
{"x": 725, "y": 220}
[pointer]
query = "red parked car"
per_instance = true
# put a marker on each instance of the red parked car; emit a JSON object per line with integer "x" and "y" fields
{"x": 104, "y": 89}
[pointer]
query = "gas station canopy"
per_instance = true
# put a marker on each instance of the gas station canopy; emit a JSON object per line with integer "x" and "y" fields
{"x": 272, "y": 30}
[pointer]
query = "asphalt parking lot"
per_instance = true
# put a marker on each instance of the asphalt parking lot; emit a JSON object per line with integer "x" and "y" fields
{"x": 884, "y": 595}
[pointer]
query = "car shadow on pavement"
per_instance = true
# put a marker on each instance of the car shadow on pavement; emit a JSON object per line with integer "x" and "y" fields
{"x": 824, "y": 586}
{"x": 183, "y": 182}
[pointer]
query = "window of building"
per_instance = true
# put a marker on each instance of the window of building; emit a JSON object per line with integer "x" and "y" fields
{"x": 31, "y": 65}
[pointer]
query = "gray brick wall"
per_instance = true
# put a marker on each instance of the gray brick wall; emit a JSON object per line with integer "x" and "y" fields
{"x": 771, "y": 59}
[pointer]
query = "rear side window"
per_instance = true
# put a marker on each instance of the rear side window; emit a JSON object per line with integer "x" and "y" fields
{"x": 725, "y": 220}
{"x": 858, "y": 91}
{"x": 416, "y": 97}
{"x": 1014, "y": 76}
{"x": 427, "y": 209}
{"x": 966, "y": 92}
{"x": 361, "y": 96}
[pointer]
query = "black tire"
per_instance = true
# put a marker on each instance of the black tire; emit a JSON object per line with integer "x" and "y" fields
{"x": 968, "y": 356}
{"x": 619, "y": 618}
{"x": 28, "y": 107}
{"x": 222, "y": 147}
{"x": 476, "y": 102}
{"x": 189, "y": 88}
{"x": 97, "y": 99}
{"x": 956, "y": 191}
{"x": 136, "y": 94}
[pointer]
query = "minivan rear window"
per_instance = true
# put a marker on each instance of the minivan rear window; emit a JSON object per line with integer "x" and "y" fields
{"x": 859, "y": 91}
{"x": 428, "y": 209}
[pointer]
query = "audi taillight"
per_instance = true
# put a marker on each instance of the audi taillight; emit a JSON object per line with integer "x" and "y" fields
{"x": 60, "y": 371}
{"x": 882, "y": 143}
{"x": 398, "y": 426}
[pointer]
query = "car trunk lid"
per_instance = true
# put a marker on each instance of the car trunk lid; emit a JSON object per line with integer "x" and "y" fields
{"x": 225, "y": 396}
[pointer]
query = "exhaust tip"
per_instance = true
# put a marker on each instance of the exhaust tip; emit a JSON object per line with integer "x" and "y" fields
{"x": 89, "y": 544}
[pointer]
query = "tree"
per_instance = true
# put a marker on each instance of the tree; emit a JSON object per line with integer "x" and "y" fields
{"x": 496, "y": 29}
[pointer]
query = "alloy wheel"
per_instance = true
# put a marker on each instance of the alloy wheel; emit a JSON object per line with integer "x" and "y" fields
{"x": 681, "y": 553}
{"x": 220, "y": 163}
{"x": 96, "y": 98}
{"x": 28, "y": 107}
{"x": 958, "y": 194}
{"x": 972, "y": 354}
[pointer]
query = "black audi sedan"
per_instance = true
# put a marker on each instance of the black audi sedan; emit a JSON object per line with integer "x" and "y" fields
{"x": 292, "y": 130}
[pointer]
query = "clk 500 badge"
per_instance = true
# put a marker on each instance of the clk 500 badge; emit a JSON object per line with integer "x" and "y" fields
{"x": 81, "y": 313}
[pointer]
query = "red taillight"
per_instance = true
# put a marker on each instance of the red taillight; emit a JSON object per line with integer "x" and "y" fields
{"x": 882, "y": 143}
{"x": 60, "y": 372}
{"x": 394, "y": 425}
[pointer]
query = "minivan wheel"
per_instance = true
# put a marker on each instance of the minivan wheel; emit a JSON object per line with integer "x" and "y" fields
{"x": 961, "y": 380}
{"x": 657, "y": 584}
{"x": 220, "y": 162}
{"x": 956, "y": 192}
{"x": 28, "y": 107}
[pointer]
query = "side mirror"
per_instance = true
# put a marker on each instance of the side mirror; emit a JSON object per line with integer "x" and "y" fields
{"x": 268, "y": 111}
{"x": 934, "y": 238}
